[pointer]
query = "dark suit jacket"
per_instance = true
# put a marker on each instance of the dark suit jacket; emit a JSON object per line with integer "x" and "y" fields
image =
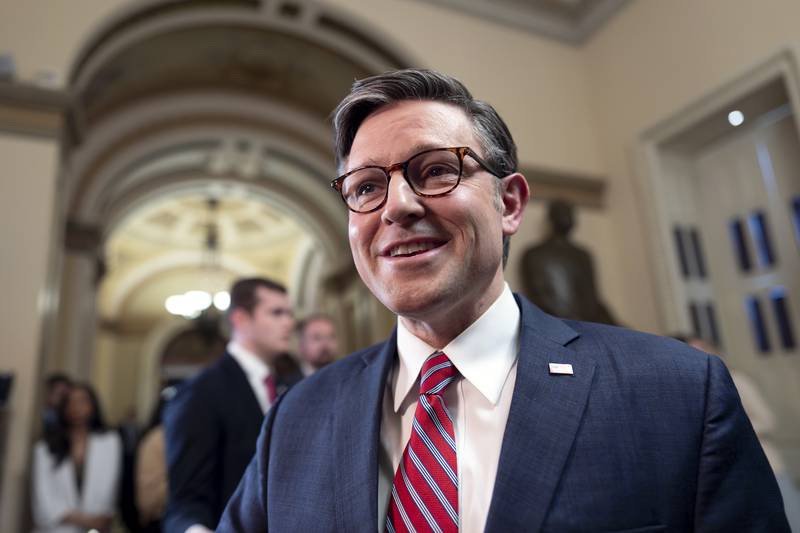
{"x": 211, "y": 429}
{"x": 647, "y": 435}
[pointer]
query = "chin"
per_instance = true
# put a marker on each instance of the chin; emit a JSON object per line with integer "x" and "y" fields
{"x": 413, "y": 304}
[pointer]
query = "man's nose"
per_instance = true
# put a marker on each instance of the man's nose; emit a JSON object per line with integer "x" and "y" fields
{"x": 402, "y": 204}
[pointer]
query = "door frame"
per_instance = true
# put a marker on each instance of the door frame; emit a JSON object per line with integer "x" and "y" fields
{"x": 657, "y": 189}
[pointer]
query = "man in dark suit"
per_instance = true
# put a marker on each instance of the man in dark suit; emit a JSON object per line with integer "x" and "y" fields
{"x": 481, "y": 412}
{"x": 212, "y": 424}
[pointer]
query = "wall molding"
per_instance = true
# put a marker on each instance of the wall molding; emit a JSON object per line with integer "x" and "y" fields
{"x": 579, "y": 189}
{"x": 27, "y": 109}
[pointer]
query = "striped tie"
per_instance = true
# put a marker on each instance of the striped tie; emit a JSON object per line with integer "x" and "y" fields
{"x": 425, "y": 488}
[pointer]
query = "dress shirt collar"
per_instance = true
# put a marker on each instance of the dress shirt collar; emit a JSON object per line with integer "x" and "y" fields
{"x": 483, "y": 353}
{"x": 254, "y": 367}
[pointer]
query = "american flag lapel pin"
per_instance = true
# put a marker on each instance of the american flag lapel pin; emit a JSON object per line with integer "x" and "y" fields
{"x": 564, "y": 369}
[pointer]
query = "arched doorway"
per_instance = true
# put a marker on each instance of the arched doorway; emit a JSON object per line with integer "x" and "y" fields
{"x": 174, "y": 101}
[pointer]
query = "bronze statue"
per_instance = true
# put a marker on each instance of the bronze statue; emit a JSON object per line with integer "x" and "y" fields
{"x": 558, "y": 275}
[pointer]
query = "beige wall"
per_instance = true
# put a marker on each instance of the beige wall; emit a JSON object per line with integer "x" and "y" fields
{"x": 65, "y": 26}
{"x": 115, "y": 370}
{"x": 539, "y": 87}
{"x": 653, "y": 59}
{"x": 26, "y": 210}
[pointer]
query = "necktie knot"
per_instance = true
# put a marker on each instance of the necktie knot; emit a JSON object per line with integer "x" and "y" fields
{"x": 436, "y": 374}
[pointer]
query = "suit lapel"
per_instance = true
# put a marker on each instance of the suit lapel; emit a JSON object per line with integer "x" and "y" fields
{"x": 356, "y": 438}
{"x": 545, "y": 413}
{"x": 240, "y": 385}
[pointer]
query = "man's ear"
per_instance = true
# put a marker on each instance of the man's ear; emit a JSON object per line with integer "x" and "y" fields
{"x": 237, "y": 317}
{"x": 514, "y": 196}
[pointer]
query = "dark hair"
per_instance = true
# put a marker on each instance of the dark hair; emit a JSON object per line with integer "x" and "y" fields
{"x": 56, "y": 378}
{"x": 57, "y": 435}
{"x": 370, "y": 94}
{"x": 243, "y": 292}
{"x": 303, "y": 324}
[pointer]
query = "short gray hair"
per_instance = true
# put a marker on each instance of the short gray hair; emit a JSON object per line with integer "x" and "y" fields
{"x": 370, "y": 94}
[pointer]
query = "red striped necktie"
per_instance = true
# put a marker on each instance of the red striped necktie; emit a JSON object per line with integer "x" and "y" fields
{"x": 425, "y": 488}
{"x": 269, "y": 385}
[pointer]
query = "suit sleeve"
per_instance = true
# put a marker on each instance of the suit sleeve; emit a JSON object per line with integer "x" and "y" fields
{"x": 191, "y": 435}
{"x": 246, "y": 511}
{"x": 736, "y": 489}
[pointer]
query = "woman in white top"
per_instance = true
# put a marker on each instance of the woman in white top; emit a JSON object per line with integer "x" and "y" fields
{"x": 76, "y": 469}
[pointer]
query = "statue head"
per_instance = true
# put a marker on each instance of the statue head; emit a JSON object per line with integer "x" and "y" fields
{"x": 562, "y": 217}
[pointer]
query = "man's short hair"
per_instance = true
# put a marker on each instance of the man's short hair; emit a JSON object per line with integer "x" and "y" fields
{"x": 243, "y": 292}
{"x": 303, "y": 324}
{"x": 57, "y": 378}
{"x": 370, "y": 94}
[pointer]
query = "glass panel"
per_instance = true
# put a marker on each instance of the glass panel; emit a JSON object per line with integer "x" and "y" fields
{"x": 780, "y": 306}
{"x": 736, "y": 231}
{"x": 760, "y": 233}
{"x": 694, "y": 314}
{"x": 711, "y": 320}
{"x": 753, "y": 306}
{"x": 677, "y": 233}
{"x": 697, "y": 249}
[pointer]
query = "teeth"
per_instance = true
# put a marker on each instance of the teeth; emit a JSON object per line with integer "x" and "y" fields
{"x": 406, "y": 249}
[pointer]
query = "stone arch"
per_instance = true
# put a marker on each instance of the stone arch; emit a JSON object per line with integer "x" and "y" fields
{"x": 260, "y": 74}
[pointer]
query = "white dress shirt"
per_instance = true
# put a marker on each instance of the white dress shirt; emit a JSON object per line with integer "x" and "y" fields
{"x": 485, "y": 355}
{"x": 256, "y": 371}
{"x": 55, "y": 492}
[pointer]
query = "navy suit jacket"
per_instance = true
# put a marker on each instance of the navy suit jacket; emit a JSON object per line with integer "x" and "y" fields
{"x": 211, "y": 428}
{"x": 647, "y": 435}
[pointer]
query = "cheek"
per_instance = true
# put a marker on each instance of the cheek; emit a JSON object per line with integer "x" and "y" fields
{"x": 354, "y": 235}
{"x": 359, "y": 236}
{"x": 361, "y": 228}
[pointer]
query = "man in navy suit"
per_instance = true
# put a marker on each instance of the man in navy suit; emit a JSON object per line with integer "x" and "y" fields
{"x": 212, "y": 424}
{"x": 481, "y": 412}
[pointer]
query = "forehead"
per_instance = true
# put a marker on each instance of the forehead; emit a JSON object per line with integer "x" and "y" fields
{"x": 78, "y": 394}
{"x": 269, "y": 297}
{"x": 397, "y": 131}
{"x": 318, "y": 324}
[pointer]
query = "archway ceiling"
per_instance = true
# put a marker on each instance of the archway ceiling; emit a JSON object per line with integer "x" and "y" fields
{"x": 157, "y": 251}
{"x": 279, "y": 66}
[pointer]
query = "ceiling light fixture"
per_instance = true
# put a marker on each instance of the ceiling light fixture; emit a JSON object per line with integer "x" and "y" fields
{"x": 736, "y": 118}
{"x": 194, "y": 303}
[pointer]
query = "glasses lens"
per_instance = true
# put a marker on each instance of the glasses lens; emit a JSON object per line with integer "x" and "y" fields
{"x": 365, "y": 189}
{"x": 435, "y": 172}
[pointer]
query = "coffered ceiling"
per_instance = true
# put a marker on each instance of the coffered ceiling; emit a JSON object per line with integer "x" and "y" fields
{"x": 159, "y": 250}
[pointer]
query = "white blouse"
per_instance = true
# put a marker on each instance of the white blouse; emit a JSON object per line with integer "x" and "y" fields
{"x": 55, "y": 489}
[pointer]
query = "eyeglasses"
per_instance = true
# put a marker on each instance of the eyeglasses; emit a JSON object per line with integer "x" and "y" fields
{"x": 429, "y": 173}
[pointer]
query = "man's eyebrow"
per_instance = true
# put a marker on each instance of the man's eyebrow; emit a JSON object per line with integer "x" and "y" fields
{"x": 417, "y": 148}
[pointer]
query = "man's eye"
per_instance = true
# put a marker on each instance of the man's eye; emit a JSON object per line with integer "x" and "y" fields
{"x": 439, "y": 171}
{"x": 365, "y": 188}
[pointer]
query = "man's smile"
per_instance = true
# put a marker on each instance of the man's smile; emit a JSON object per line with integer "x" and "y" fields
{"x": 411, "y": 247}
